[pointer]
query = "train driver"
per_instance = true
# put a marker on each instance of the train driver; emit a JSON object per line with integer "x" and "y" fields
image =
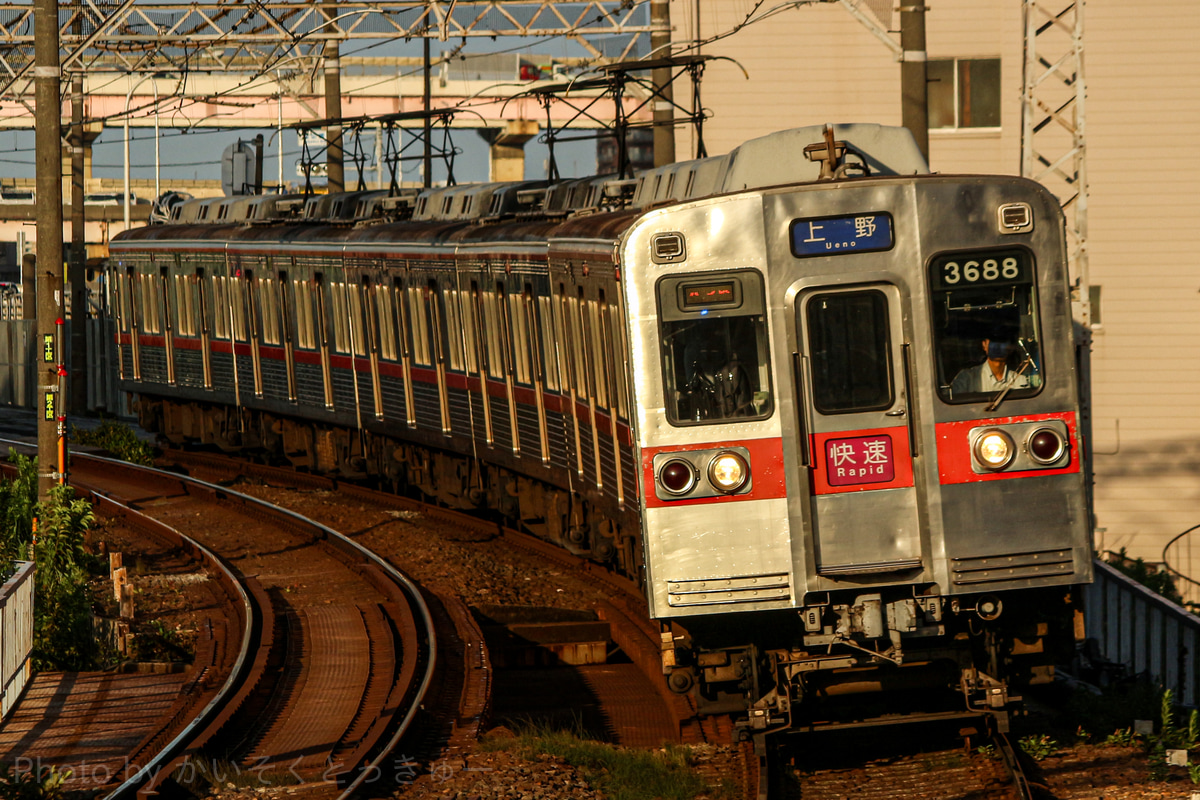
{"x": 994, "y": 373}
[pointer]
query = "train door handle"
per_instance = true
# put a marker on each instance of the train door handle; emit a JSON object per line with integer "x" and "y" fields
{"x": 899, "y": 412}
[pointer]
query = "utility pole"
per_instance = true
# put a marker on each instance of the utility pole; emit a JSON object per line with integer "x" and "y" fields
{"x": 47, "y": 74}
{"x": 428, "y": 128}
{"x": 913, "y": 78}
{"x": 77, "y": 275}
{"x": 664, "y": 110}
{"x": 335, "y": 168}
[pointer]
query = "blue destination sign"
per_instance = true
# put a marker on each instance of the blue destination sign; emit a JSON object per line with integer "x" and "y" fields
{"x": 832, "y": 236}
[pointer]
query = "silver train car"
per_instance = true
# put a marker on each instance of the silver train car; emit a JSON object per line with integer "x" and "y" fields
{"x": 820, "y": 403}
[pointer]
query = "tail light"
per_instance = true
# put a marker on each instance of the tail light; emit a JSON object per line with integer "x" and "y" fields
{"x": 1045, "y": 445}
{"x": 677, "y": 476}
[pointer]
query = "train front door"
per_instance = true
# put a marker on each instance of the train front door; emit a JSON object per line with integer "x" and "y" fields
{"x": 854, "y": 403}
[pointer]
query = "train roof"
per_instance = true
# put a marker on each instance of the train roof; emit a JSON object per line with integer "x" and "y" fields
{"x": 785, "y": 157}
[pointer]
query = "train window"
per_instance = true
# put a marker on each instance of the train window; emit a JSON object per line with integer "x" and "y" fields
{"x": 985, "y": 325}
{"x": 519, "y": 337}
{"x": 600, "y": 350}
{"x": 848, "y": 346}
{"x": 549, "y": 327}
{"x": 123, "y": 301}
{"x": 306, "y": 331}
{"x": 341, "y": 337}
{"x": 419, "y": 321}
{"x": 355, "y": 317}
{"x": 370, "y": 299}
{"x": 454, "y": 330}
{"x": 470, "y": 324}
{"x": 578, "y": 349}
{"x": 491, "y": 324}
{"x": 185, "y": 305}
{"x": 285, "y": 313}
{"x": 151, "y": 320}
{"x": 504, "y": 332}
{"x": 715, "y": 361}
{"x": 238, "y": 298}
{"x": 386, "y": 315}
{"x": 620, "y": 383}
{"x": 220, "y": 308}
{"x": 268, "y": 305}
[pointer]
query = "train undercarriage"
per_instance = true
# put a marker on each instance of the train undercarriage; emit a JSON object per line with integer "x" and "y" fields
{"x": 844, "y": 660}
{"x": 873, "y": 658}
{"x": 453, "y": 480}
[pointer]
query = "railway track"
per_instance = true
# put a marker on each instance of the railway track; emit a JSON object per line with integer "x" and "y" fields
{"x": 620, "y": 603}
{"x": 762, "y": 776}
{"x": 894, "y": 771}
{"x": 325, "y": 666}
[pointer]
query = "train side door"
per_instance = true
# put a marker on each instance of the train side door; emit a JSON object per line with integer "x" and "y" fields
{"x": 855, "y": 408}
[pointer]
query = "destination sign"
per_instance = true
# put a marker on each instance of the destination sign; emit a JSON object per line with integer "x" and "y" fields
{"x": 833, "y": 236}
{"x": 707, "y": 295}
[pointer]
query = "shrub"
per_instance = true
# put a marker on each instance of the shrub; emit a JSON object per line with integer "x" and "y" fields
{"x": 62, "y": 623}
{"x": 118, "y": 439}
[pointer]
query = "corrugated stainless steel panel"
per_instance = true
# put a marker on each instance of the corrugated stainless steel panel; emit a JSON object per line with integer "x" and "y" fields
{"x": 366, "y": 389}
{"x": 274, "y": 380}
{"x": 245, "y": 375}
{"x": 154, "y": 364}
{"x": 527, "y": 431}
{"x": 428, "y": 406}
{"x": 310, "y": 385}
{"x": 222, "y": 372}
{"x": 556, "y": 435}
{"x": 608, "y": 464}
{"x": 189, "y": 368}
{"x": 585, "y": 447}
{"x": 343, "y": 391}
{"x": 500, "y": 425}
{"x": 460, "y": 413}
{"x": 394, "y": 409}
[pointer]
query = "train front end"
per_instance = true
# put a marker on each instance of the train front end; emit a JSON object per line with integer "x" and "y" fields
{"x": 863, "y": 475}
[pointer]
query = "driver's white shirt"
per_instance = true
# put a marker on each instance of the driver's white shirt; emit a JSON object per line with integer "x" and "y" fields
{"x": 982, "y": 379}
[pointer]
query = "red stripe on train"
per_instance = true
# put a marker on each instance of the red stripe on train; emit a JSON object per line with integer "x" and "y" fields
{"x": 954, "y": 449}
{"x": 766, "y": 472}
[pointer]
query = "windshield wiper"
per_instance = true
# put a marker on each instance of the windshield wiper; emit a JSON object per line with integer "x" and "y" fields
{"x": 999, "y": 398}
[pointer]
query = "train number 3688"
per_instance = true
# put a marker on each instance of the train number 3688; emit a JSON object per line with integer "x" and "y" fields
{"x": 975, "y": 271}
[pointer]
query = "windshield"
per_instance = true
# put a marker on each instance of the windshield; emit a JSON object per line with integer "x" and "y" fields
{"x": 714, "y": 349}
{"x": 985, "y": 326}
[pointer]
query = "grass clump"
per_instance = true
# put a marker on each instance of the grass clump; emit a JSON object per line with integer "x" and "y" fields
{"x": 118, "y": 439}
{"x": 621, "y": 774}
{"x": 62, "y": 615}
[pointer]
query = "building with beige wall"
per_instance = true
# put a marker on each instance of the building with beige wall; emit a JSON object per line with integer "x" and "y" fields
{"x": 816, "y": 63}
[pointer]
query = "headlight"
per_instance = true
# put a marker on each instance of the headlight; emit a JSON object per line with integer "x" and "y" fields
{"x": 677, "y": 476}
{"x": 994, "y": 449}
{"x": 1045, "y": 446}
{"x": 728, "y": 472}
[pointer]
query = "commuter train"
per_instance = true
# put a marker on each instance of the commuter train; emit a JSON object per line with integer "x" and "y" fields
{"x": 820, "y": 403}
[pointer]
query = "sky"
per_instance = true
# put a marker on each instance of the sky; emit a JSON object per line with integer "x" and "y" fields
{"x": 196, "y": 154}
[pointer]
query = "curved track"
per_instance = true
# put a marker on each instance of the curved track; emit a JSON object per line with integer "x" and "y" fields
{"x": 331, "y": 656}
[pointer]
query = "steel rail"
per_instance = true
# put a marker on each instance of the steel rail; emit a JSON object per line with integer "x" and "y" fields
{"x": 236, "y": 675}
{"x": 397, "y": 577}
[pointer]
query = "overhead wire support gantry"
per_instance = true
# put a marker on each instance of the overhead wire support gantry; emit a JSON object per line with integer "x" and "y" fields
{"x": 222, "y": 35}
{"x": 618, "y": 79}
{"x": 393, "y": 154}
